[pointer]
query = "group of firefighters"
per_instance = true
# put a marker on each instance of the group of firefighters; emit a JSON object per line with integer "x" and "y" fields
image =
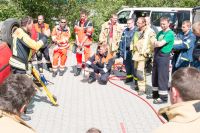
{"x": 135, "y": 45}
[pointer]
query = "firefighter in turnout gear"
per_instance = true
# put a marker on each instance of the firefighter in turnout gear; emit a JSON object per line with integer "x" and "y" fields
{"x": 23, "y": 46}
{"x": 125, "y": 50}
{"x": 83, "y": 30}
{"x": 111, "y": 32}
{"x": 40, "y": 26}
{"x": 183, "y": 48}
{"x": 60, "y": 37}
{"x": 143, "y": 41}
{"x": 183, "y": 116}
{"x": 101, "y": 63}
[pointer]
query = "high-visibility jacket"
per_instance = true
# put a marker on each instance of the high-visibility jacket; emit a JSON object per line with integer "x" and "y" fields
{"x": 185, "y": 47}
{"x": 102, "y": 61}
{"x": 10, "y": 123}
{"x": 84, "y": 29}
{"x": 22, "y": 48}
{"x": 41, "y": 27}
{"x": 61, "y": 36}
{"x": 142, "y": 43}
{"x": 112, "y": 40}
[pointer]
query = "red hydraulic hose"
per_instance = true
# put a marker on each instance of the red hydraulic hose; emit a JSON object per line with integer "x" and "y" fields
{"x": 134, "y": 94}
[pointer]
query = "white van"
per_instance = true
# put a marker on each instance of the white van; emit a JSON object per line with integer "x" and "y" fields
{"x": 176, "y": 15}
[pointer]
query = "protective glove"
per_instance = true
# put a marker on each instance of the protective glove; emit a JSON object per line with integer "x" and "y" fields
{"x": 89, "y": 62}
{"x": 105, "y": 70}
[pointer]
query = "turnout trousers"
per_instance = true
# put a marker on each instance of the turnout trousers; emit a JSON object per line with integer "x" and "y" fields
{"x": 160, "y": 75}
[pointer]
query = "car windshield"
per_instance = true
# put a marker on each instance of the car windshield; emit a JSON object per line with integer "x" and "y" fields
{"x": 123, "y": 16}
{"x": 155, "y": 17}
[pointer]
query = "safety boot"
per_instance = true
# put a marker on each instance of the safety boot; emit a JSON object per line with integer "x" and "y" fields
{"x": 40, "y": 67}
{"x": 49, "y": 67}
{"x": 136, "y": 86}
{"x": 102, "y": 82}
{"x": 91, "y": 78}
{"x": 54, "y": 73}
{"x": 78, "y": 72}
{"x": 61, "y": 73}
{"x": 127, "y": 80}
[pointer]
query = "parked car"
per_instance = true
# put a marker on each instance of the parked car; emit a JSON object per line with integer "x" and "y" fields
{"x": 176, "y": 15}
{"x": 7, "y": 27}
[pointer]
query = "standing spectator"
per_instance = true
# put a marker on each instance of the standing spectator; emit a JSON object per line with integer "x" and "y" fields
{"x": 40, "y": 27}
{"x": 101, "y": 63}
{"x": 111, "y": 32}
{"x": 160, "y": 74}
{"x": 149, "y": 59}
{"x": 196, "y": 52}
{"x": 183, "y": 50}
{"x": 143, "y": 40}
{"x": 125, "y": 50}
{"x": 60, "y": 36}
{"x": 83, "y": 30}
{"x": 184, "y": 113}
{"x": 15, "y": 94}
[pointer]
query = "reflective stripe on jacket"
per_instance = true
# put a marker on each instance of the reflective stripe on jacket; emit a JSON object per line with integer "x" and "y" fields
{"x": 84, "y": 29}
{"x": 61, "y": 36}
{"x": 185, "y": 47}
{"x": 22, "y": 47}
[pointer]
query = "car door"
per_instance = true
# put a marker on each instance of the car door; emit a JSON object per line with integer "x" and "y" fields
{"x": 123, "y": 16}
{"x": 182, "y": 15}
{"x": 196, "y": 14}
{"x": 5, "y": 54}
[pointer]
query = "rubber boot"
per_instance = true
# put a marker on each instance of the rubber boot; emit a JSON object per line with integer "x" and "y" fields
{"x": 78, "y": 72}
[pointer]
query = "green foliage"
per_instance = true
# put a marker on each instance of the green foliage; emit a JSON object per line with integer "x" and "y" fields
{"x": 163, "y": 3}
{"x": 9, "y": 10}
{"x": 100, "y": 10}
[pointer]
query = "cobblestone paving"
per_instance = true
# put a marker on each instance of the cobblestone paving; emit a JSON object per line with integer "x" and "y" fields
{"x": 83, "y": 105}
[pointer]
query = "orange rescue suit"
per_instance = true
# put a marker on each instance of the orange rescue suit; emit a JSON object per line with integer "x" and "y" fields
{"x": 60, "y": 36}
{"x": 84, "y": 29}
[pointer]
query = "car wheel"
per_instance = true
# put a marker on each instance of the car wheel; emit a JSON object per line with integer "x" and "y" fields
{"x": 7, "y": 29}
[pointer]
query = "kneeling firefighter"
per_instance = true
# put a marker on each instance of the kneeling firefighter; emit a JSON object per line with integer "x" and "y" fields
{"x": 101, "y": 63}
{"x": 23, "y": 46}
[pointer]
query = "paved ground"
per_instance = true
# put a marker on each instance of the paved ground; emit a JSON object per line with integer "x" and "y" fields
{"x": 83, "y": 105}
